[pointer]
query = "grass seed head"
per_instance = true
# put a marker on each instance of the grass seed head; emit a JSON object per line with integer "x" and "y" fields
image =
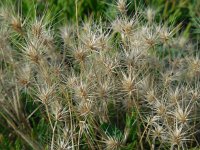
{"x": 113, "y": 143}
{"x": 122, "y": 6}
{"x": 150, "y": 14}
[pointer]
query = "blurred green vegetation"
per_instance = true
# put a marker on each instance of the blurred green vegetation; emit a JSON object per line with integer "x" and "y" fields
{"x": 186, "y": 12}
{"x": 174, "y": 11}
{"x": 65, "y": 10}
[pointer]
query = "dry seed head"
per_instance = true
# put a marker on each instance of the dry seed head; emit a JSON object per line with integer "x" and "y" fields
{"x": 128, "y": 82}
{"x": 48, "y": 39}
{"x": 150, "y": 14}
{"x": 91, "y": 43}
{"x": 150, "y": 36}
{"x": 59, "y": 112}
{"x": 37, "y": 28}
{"x": 104, "y": 42}
{"x": 106, "y": 63}
{"x": 151, "y": 120}
{"x": 129, "y": 58}
{"x": 5, "y": 33}
{"x": 46, "y": 93}
{"x": 16, "y": 23}
{"x": 5, "y": 13}
{"x": 81, "y": 90}
{"x": 193, "y": 66}
{"x": 110, "y": 64}
{"x": 138, "y": 48}
{"x": 175, "y": 95}
{"x": 182, "y": 112}
{"x": 185, "y": 92}
{"x": 85, "y": 108}
{"x": 72, "y": 81}
{"x": 56, "y": 70}
{"x": 177, "y": 63}
{"x": 165, "y": 34}
{"x": 160, "y": 108}
{"x": 190, "y": 47}
{"x": 147, "y": 85}
{"x": 103, "y": 88}
{"x": 127, "y": 27}
{"x": 121, "y": 5}
{"x": 151, "y": 97}
{"x": 90, "y": 39}
{"x": 31, "y": 53}
{"x": 182, "y": 41}
{"x": 129, "y": 103}
{"x": 153, "y": 62}
{"x": 195, "y": 95}
{"x": 63, "y": 139}
{"x": 87, "y": 26}
{"x": 45, "y": 73}
{"x": 158, "y": 131}
{"x": 181, "y": 115}
{"x": 24, "y": 75}
{"x": 66, "y": 34}
{"x": 64, "y": 144}
{"x": 113, "y": 143}
{"x": 176, "y": 136}
{"x": 80, "y": 54}
{"x": 117, "y": 24}
{"x": 167, "y": 78}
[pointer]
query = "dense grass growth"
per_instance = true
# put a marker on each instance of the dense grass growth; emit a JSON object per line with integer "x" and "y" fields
{"x": 99, "y": 75}
{"x": 174, "y": 12}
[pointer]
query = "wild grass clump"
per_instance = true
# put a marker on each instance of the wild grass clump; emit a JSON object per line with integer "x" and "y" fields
{"x": 127, "y": 84}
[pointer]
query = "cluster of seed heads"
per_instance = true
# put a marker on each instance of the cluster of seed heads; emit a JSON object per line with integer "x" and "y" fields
{"x": 86, "y": 75}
